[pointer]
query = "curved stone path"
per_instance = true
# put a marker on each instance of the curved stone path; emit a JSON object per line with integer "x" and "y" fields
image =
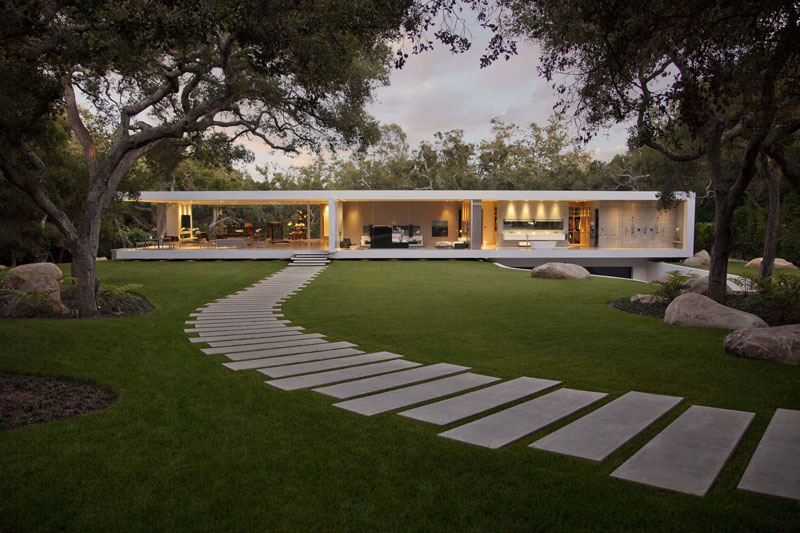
{"x": 686, "y": 456}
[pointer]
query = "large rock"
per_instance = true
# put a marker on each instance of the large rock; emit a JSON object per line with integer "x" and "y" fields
{"x": 17, "y": 276}
{"x": 780, "y": 344}
{"x": 697, "y": 285}
{"x": 49, "y": 305}
{"x": 693, "y": 309}
{"x": 560, "y": 271}
{"x": 647, "y": 298}
{"x": 42, "y": 283}
{"x": 779, "y": 263}
{"x": 33, "y": 279}
{"x": 701, "y": 258}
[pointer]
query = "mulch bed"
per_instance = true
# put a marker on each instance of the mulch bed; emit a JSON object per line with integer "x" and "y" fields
{"x": 656, "y": 310}
{"x": 135, "y": 305}
{"x": 772, "y": 312}
{"x": 27, "y": 400}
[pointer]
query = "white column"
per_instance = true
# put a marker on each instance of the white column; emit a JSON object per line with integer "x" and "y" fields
{"x": 476, "y": 225}
{"x": 333, "y": 232}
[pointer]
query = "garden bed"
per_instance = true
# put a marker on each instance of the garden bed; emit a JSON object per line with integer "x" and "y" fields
{"x": 773, "y": 313}
{"x": 26, "y": 400}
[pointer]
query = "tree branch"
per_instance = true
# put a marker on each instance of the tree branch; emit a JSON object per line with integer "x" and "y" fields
{"x": 77, "y": 126}
{"x": 790, "y": 168}
{"x": 32, "y": 186}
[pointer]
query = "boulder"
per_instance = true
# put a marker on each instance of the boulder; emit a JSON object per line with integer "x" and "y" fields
{"x": 42, "y": 283}
{"x": 692, "y": 309}
{"x": 701, "y": 258}
{"x": 754, "y": 263}
{"x": 101, "y": 258}
{"x": 659, "y": 281}
{"x": 647, "y": 298}
{"x": 698, "y": 285}
{"x": 17, "y": 306}
{"x": 693, "y": 262}
{"x": 779, "y": 263}
{"x": 560, "y": 271}
{"x": 780, "y": 344}
{"x": 19, "y": 275}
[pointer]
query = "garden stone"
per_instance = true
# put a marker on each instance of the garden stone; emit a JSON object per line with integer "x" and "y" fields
{"x": 19, "y": 275}
{"x": 659, "y": 281}
{"x": 780, "y": 343}
{"x": 42, "y": 283}
{"x": 647, "y": 298}
{"x": 692, "y": 309}
{"x": 560, "y": 271}
{"x": 779, "y": 263}
{"x": 701, "y": 258}
{"x": 697, "y": 285}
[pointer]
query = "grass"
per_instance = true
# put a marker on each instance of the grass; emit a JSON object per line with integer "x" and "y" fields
{"x": 193, "y": 446}
{"x": 737, "y": 268}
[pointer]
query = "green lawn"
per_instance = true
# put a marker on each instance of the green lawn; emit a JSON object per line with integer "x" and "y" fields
{"x": 193, "y": 446}
{"x": 735, "y": 267}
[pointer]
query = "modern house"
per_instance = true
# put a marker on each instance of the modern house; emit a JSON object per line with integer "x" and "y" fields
{"x": 611, "y": 232}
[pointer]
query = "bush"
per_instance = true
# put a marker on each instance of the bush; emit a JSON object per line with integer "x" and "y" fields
{"x": 674, "y": 285}
{"x": 777, "y": 299}
{"x": 703, "y": 236}
{"x": 113, "y": 296}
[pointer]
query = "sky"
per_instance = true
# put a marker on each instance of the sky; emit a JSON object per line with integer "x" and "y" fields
{"x": 440, "y": 91}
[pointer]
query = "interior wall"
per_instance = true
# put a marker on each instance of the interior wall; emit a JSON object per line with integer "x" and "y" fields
{"x": 638, "y": 225}
{"x": 355, "y": 215}
{"x": 529, "y": 210}
{"x": 488, "y": 234}
{"x": 174, "y": 213}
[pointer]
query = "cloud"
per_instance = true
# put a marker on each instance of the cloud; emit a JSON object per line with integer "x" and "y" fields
{"x": 440, "y": 91}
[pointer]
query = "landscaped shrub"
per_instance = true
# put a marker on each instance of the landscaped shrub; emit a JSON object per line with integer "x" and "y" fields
{"x": 777, "y": 299}
{"x": 114, "y": 297}
{"x": 703, "y": 236}
{"x": 749, "y": 224}
{"x": 674, "y": 285}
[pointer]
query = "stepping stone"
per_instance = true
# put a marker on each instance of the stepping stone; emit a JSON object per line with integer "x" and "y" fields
{"x": 365, "y": 386}
{"x": 290, "y": 335}
{"x": 323, "y": 378}
{"x": 775, "y": 467}
{"x": 604, "y": 431}
{"x": 289, "y": 351}
{"x": 688, "y": 455}
{"x": 203, "y": 322}
{"x": 293, "y": 370}
{"x": 501, "y": 428}
{"x": 268, "y": 345}
{"x": 239, "y": 323}
{"x": 235, "y": 329}
{"x": 205, "y": 337}
{"x": 237, "y": 309}
{"x": 466, "y": 405}
{"x": 239, "y": 312}
{"x": 291, "y": 359}
{"x": 235, "y": 316}
{"x": 395, "y": 399}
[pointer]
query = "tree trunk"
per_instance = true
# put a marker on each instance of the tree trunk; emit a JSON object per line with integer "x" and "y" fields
{"x": 773, "y": 217}
{"x": 718, "y": 271}
{"x": 84, "y": 268}
{"x": 84, "y": 257}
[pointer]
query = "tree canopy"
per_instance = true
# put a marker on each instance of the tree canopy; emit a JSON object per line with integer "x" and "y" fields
{"x": 698, "y": 79}
{"x": 290, "y": 73}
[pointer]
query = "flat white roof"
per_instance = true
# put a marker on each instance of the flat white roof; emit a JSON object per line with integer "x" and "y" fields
{"x": 322, "y": 196}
